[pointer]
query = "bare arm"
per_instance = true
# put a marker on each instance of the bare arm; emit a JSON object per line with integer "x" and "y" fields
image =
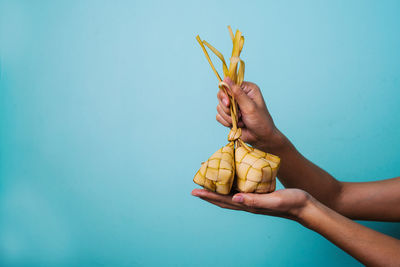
{"x": 378, "y": 200}
{"x": 366, "y": 245}
{"x": 366, "y": 201}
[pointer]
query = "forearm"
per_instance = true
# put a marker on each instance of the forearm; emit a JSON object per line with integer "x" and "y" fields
{"x": 364, "y": 201}
{"x": 366, "y": 245}
{"x": 378, "y": 200}
{"x": 298, "y": 172}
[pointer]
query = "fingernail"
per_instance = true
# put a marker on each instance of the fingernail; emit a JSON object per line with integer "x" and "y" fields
{"x": 225, "y": 101}
{"x": 237, "y": 198}
{"x": 195, "y": 193}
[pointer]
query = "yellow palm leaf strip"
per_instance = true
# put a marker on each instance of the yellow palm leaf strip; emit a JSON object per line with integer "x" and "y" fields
{"x": 224, "y": 86}
{"x": 224, "y": 67}
{"x": 241, "y": 44}
{"x": 208, "y": 58}
{"x": 240, "y": 75}
{"x": 231, "y": 32}
{"x": 236, "y": 44}
{"x": 235, "y": 56}
{"x": 233, "y": 67}
{"x": 234, "y": 112}
{"x": 234, "y": 62}
{"x": 219, "y": 55}
{"x": 244, "y": 144}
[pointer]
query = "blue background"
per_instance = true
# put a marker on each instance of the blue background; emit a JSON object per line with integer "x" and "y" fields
{"x": 107, "y": 109}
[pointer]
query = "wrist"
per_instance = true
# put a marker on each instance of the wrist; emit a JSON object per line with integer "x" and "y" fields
{"x": 274, "y": 142}
{"x": 311, "y": 213}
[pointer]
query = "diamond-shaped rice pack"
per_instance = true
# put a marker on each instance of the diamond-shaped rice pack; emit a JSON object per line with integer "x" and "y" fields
{"x": 218, "y": 172}
{"x": 255, "y": 170}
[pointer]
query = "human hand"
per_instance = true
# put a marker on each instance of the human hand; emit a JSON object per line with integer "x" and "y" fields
{"x": 286, "y": 203}
{"x": 258, "y": 128}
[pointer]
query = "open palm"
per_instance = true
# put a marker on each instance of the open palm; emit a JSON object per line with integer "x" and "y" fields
{"x": 286, "y": 203}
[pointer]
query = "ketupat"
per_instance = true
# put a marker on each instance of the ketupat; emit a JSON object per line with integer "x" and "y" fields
{"x": 218, "y": 172}
{"x": 254, "y": 170}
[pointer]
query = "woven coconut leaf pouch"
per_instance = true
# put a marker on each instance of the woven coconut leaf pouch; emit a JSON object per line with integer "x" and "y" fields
{"x": 237, "y": 164}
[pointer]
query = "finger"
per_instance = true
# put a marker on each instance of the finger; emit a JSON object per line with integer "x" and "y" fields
{"x": 246, "y": 104}
{"x": 223, "y": 201}
{"x": 254, "y": 92}
{"x": 265, "y": 201}
{"x": 225, "y": 116}
{"x": 247, "y": 136}
{"x": 211, "y": 195}
{"x": 221, "y": 204}
{"x": 223, "y": 97}
{"x": 196, "y": 192}
{"x": 222, "y": 121}
{"x": 227, "y": 199}
{"x": 226, "y": 109}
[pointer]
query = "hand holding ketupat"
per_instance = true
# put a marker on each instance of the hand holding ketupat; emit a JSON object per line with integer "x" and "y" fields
{"x": 250, "y": 169}
{"x": 312, "y": 196}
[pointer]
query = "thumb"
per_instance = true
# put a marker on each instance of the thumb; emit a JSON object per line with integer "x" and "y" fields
{"x": 245, "y": 103}
{"x": 255, "y": 200}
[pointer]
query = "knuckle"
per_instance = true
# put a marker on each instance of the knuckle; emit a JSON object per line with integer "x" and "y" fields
{"x": 237, "y": 91}
{"x": 223, "y": 114}
{"x": 255, "y": 87}
{"x": 220, "y": 120}
{"x": 252, "y": 202}
{"x": 220, "y": 109}
{"x": 226, "y": 110}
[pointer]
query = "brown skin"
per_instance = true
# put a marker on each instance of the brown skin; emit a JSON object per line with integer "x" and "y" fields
{"x": 321, "y": 203}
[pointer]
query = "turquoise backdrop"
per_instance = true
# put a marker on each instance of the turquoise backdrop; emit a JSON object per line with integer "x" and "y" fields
{"x": 107, "y": 109}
